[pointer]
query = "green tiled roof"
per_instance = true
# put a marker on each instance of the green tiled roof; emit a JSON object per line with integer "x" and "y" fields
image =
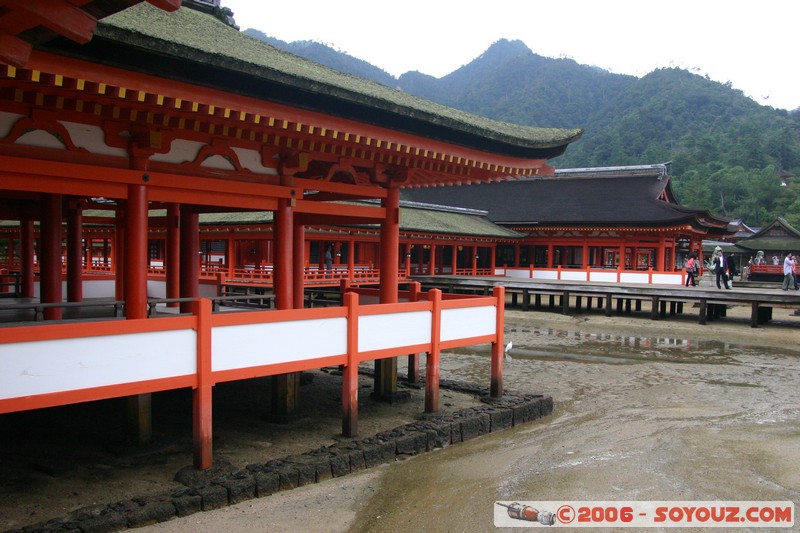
{"x": 194, "y": 38}
{"x": 413, "y": 218}
{"x": 452, "y": 223}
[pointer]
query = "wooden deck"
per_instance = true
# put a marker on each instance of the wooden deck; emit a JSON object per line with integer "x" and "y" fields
{"x": 613, "y": 298}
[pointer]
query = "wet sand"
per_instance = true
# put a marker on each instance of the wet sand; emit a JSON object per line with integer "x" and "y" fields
{"x": 644, "y": 410}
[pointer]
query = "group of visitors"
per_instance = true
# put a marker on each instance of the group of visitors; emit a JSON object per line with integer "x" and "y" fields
{"x": 724, "y": 269}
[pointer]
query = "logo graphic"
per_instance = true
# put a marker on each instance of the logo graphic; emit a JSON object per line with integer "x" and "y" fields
{"x": 529, "y": 514}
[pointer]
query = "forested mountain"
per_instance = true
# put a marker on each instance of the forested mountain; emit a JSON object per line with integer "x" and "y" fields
{"x": 730, "y": 155}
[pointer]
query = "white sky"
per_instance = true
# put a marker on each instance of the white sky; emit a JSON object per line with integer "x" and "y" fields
{"x": 751, "y": 44}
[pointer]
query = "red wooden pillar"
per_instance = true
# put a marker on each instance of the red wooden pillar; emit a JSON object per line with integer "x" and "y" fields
{"x": 414, "y": 288}
{"x": 432, "y": 261}
{"x": 454, "y": 258}
{"x": 201, "y": 395}
{"x": 299, "y": 266}
{"x": 622, "y": 248}
{"x": 173, "y": 253}
{"x": 351, "y": 259}
{"x": 386, "y": 369}
{"x": 492, "y": 257}
{"x": 140, "y": 407}
{"x": 50, "y": 255}
{"x": 474, "y": 260}
{"x": 75, "y": 253}
{"x": 285, "y": 387}
{"x": 136, "y": 253}
{"x": 282, "y": 259}
{"x": 549, "y": 256}
{"x": 585, "y": 256}
{"x": 118, "y": 254}
{"x": 498, "y": 346}
{"x": 432, "y": 357}
{"x": 516, "y": 255}
{"x": 230, "y": 257}
{"x": 189, "y": 264}
{"x": 350, "y": 372}
{"x": 26, "y": 257}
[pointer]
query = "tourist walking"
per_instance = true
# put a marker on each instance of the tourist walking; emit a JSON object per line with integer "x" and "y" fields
{"x": 720, "y": 269}
{"x": 691, "y": 269}
{"x": 788, "y": 270}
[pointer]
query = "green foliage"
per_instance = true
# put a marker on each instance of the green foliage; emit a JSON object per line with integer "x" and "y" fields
{"x": 729, "y": 154}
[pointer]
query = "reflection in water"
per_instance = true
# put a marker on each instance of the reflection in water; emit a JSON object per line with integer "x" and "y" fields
{"x": 636, "y": 417}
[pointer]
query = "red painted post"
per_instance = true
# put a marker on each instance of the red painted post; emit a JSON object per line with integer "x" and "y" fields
{"x": 26, "y": 257}
{"x": 50, "y": 255}
{"x": 351, "y": 259}
{"x": 75, "y": 254}
{"x": 390, "y": 242}
{"x": 498, "y": 346}
{"x": 413, "y": 359}
{"x": 189, "y": 246}
{"x": 173, "y": 253}
{"x": 350, "y": 373}
{"x": 282, "y": 261}
{"x": 117, "y": 252}
{"x": 298, "y": 266}
{"x": 135, "y": 282}
{"x": 432, "y": 358}
{"x": 385, "y": 378}
{"x": 202, "y": 394}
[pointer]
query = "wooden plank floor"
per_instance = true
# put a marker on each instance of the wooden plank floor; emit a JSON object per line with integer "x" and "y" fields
{"x": 664, "y": 300}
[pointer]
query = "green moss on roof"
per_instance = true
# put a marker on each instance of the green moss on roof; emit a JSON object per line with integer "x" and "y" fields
{"x": 411, "y": 220}
{"x": 452, "y": 223}
{"x": 201, "y": 38}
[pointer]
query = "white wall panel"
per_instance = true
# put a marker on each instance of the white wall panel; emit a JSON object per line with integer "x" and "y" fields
{"x": 277, "y": 342}
{"x": 574, "y": 275}
{"x": 41, "y": 367}
{"x": 468, "y": 322}
{"x": 634, "y": 277}
{"x": 608, "y": 277}
{"x": 377, "y": 332}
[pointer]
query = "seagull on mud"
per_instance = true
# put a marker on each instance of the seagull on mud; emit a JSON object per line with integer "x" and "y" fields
{"x": 507, "y": 350}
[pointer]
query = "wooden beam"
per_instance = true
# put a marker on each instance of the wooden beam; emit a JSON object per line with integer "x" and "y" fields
{"x": 14, "y": 51}
{"x": 60, "y": 16}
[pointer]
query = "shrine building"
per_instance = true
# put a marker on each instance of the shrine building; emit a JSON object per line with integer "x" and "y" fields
{"x": 131, "y": 108}
{"x": 582, "y": 224}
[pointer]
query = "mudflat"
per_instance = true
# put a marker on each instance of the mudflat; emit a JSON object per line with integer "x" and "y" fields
{"x": 63, "y": 466}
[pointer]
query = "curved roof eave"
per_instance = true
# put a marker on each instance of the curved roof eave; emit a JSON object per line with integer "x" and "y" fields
{"x": 197, "y": 48}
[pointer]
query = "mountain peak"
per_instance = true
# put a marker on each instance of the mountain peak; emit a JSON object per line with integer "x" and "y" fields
{"x": 506, "y": 49}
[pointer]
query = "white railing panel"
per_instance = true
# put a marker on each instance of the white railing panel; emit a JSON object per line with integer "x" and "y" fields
{"x": 248, "y": 345}
{"x": 608, "y": 277}
{"x": 634, "y": 277}
{"x": 468, "y": 322}
{"x": 574, "y": 275}
{"x": 545, "y": 274}
{"x": 43, "y": 367}
{"x": 518, "y": 273}
{"x": 668, "y": 279}
{"x": 378, "y": 332}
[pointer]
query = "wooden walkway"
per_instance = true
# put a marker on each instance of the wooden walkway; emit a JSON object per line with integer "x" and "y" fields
{"x": 664, "y": 300}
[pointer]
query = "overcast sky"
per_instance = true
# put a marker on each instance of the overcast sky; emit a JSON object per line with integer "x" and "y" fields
{"x": 751, "y": 44}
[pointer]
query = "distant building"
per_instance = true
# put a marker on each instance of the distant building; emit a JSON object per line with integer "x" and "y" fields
{"x": 608, "y": 217}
